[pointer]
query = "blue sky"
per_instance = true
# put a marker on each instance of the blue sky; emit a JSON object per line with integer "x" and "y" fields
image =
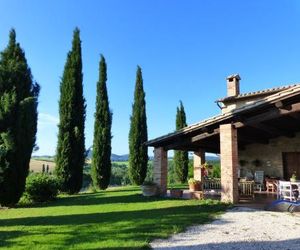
{"x": 185, "y": 48}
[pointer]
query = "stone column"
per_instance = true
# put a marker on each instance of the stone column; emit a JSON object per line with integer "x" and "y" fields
{"x": 229, "y": 163}
{"x": 160, "y": 169}
{"x": 199, "y": 159}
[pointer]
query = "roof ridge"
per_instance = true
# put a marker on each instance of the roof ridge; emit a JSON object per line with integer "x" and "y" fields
{"x": 258, "y": 92}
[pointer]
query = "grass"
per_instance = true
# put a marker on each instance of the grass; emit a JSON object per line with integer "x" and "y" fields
{"x": 119, "y": 218}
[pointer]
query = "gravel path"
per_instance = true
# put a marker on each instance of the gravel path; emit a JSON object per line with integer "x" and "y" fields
{"x": 240, "y": 228}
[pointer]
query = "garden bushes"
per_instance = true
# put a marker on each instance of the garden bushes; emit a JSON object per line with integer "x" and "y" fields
{"x": 41, "y": 187}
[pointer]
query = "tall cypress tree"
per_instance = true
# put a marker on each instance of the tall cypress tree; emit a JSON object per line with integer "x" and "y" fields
{"x": 18, "y": 120}
{"x": 101, "y": 163}
{"x": 70, "y": 152}
{"x": 181, "y": 158}
{"x": 138, "y": 152}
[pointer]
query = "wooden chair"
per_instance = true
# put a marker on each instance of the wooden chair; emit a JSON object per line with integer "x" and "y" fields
{"x": 271, "y": 185}
{"x": 246, "y": 189}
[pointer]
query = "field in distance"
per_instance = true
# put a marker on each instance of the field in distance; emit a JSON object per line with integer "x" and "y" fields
{"x": 36, "y": 165}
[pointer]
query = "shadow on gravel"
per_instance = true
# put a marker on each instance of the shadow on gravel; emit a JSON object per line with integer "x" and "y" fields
{"x": 293, "y": 244}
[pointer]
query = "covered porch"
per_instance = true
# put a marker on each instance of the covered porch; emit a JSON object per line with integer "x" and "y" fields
{"x": 265, "y": 129}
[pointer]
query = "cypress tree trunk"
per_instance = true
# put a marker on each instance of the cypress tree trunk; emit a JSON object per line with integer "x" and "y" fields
{"x": 70, "y": 152}
{"x": 101, "y": 163}
{"x": 138, "y": 152}
{"x": 181, "y": 158}
{"x": 18, "y": 121}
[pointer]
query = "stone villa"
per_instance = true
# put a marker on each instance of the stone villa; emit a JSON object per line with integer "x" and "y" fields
{"x": 258, "y": 130}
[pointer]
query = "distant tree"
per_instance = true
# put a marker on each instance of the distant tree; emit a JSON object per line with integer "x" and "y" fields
{"x": 181, "y": 158}
{"x": 119, "y": 174}
{"x": 138, "y": 152}
{"x": 70, "y": 152}
{"x": 101, "y": 163}
{"x": 18, "y": 121}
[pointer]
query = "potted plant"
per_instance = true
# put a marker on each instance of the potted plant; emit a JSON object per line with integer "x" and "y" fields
{"x": 293, "y": 178}
{"x": 149, "y": 188}
{"x": 176, "y": 192}
{"x": 194, "y": 185}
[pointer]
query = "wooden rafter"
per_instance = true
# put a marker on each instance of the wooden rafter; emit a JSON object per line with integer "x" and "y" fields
{"x": 252, "y": 139}
{"x": 271, "y": 130}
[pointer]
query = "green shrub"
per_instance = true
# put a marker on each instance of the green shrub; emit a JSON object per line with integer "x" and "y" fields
{"x": 216, "y": 171}
{"x": 119, "y": 174}
{"x": 41, "y": 187}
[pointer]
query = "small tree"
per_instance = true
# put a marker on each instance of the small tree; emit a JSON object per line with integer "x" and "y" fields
{"x": 181, "y": 158}
{"x": 101, "y": 163}
{"x": 70, "y": 152}
{"x": 18, "y": 121}
{"x": 138, "y": 151}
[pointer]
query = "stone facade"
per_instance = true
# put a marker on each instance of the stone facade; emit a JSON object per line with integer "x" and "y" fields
{"x": 160, "y": 169}
{"x": 229, "y": 163}
{"x": 269, "y": 155}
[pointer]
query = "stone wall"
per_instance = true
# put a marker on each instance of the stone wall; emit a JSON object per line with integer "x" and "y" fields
{"x": 270, "y": 155}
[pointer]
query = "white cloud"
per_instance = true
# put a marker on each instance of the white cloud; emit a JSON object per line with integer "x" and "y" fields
{"x": 47, "y": 119}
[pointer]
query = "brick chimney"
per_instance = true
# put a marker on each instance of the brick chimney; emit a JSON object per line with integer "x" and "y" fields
{"x": 233, "y": 85}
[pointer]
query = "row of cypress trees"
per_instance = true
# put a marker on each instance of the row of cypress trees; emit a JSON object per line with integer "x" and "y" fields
{"x": 70, "y": 157}
{"x": 18, "y": 125}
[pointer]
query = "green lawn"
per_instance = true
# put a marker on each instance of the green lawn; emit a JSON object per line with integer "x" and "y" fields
{"x": 119, "y": 218}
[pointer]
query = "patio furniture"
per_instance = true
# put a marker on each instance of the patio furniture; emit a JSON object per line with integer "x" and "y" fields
{"x": 295, "y": 190}
{"x": 285, "y": 190}
{"x": 212, "y": 184}
{"x": 246, "y": 189}
{"x": 271, "y": 185}
{"x": 259, "y": 180}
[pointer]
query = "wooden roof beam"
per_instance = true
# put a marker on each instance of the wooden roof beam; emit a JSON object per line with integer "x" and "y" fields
{"x": 252, "y": 139}
{"x": 272, "y": 131}
{"x": 205, "y": 135}
{"x": 256, "y": 120}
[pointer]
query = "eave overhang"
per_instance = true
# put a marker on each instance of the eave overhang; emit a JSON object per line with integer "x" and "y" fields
{"x": 250, "y": 119}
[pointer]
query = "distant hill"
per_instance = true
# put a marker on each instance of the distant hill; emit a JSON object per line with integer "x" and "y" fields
{"x": 115, "y": 157}
{"x": 212, "y": 158}
{"x": 42, "y": 156}
{"x": 125, "y": 157}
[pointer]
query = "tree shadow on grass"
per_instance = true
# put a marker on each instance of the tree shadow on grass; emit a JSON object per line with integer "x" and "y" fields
{"x": 93, "y": 199}
{"x": 123, "y": 228}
